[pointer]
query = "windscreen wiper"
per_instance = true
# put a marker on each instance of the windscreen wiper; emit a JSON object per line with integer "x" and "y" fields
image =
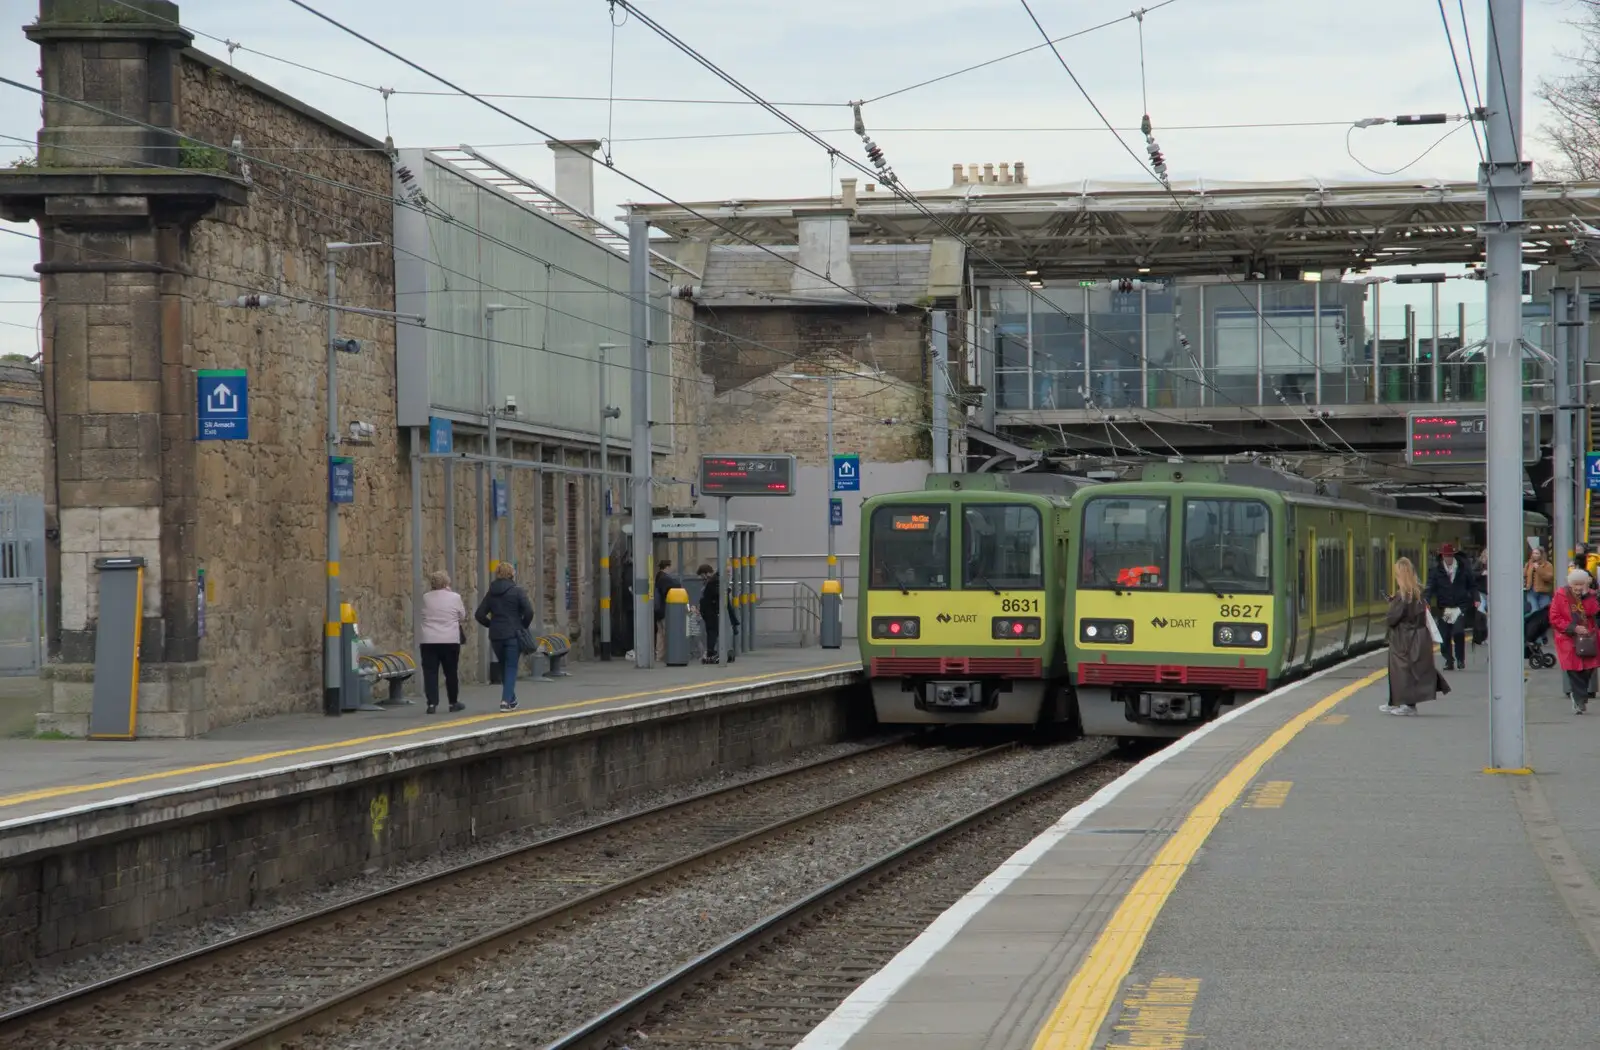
{"x": 1213, "y": 588}
{"x": 1100, "y": 574}
{"x": 981, "y": 578}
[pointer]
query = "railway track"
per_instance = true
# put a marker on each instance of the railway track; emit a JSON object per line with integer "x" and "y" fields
{"x": 771, "y": 984}
{"x": 265, "y": 987}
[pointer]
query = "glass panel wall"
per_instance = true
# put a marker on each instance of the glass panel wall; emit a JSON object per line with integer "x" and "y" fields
{"x": 1171, "y": 344}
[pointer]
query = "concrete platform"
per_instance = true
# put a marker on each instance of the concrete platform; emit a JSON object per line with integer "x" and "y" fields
{"x": 40, "y": 776}
{"x": 1309, "y": 872}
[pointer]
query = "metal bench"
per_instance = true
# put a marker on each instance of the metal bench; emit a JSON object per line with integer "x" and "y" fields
{"x": 394, "y": 668}
{"x": 555, "y": 648}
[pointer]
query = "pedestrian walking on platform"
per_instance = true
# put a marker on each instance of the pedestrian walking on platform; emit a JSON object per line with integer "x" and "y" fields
{"x": 1538, "y": 581}
{"x": 1454, "y": 591}
{"x": 444, "y": 629}
{"x": 507, "y": 612}
{"x": 1574, "y": 613}
{"x": 1413, "y": 676}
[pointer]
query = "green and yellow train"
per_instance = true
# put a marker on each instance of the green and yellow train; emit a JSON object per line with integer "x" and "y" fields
{"x": 1135, "y": 608}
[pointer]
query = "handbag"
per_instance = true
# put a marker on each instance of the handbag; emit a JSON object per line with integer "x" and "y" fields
{"x": 1433, "y": 628}
{"x": 1585, "y": 645}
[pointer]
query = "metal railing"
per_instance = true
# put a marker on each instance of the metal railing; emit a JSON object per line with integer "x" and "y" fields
{"x": 803, "y": 604}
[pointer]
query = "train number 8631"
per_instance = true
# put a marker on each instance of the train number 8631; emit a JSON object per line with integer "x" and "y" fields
{"x": 1239, "y": 611}
{"x": 1019, "y": 605}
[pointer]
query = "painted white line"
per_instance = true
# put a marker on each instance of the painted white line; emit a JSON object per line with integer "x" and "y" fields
{"x": 852, "y": 1015}
{"x": 395, "y": 750}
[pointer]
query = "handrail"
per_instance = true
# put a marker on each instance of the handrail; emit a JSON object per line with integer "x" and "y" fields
{"x": 803, "y": 602}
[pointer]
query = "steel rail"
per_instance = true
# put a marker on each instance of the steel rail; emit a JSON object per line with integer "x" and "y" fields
{"x": 273, "y": 1034}
{"x": 595, "y": 1033}
{"x": 83, "y": 995}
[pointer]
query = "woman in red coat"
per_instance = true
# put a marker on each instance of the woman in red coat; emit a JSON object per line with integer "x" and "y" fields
{"x": 1574, "y": 612}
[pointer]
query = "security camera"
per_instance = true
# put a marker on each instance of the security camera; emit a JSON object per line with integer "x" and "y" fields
{"x": 361, "y": 432}
{"x": 511, "y": 404}
{"x": 347, "y": 346}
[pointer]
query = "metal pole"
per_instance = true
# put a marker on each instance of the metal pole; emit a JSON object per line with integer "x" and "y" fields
{"x": 416, "y": 543}
{"x": 724, "y": 574}
{"x": 450, "y": 522}
{"x": 483, "y": 572}
{"x": 1581, "y": 436}
{"x": 644, "y": 641}
{"x": 1377, "y": 344}
{"x": 605, "y": 508}
{"x": 492, "y": 415}
{"x": 1502, "y": 176}
{"x": 941, "y": 400}
{"x": 331, "y": 678}
{"x": 833, "y": 558}
{"x": 1434, "y": 356}
{"x": 1561, "y": 444}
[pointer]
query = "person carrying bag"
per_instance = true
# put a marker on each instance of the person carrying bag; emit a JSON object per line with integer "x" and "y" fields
{"x": 1574, "y": 612}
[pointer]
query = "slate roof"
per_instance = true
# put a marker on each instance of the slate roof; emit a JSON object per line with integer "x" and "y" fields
{"x": 744, "y": 275}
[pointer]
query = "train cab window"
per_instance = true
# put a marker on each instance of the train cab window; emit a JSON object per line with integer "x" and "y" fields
{"x": 1125, "y": 544}
{"x": 910, "y": 548}
{"x": 1004, "y": 548}
{"x": 1227, "y": 546}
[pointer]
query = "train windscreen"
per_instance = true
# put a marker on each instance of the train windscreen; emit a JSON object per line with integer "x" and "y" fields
{"x": 1004, "y": 548}
{"x": 1227, "y": 545}
{"x": 910, "y": 547}
{"x": 1124, "y": 544}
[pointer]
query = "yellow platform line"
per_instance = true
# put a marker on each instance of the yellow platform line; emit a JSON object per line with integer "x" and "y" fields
{"x": 454, "y": 723}
{"x": 1082, "y": 1010}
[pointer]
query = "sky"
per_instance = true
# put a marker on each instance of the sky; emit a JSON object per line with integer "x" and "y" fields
{"x": 1206, "y": 62}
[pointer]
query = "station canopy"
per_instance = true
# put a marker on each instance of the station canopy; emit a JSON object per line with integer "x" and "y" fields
{"x": 1093, "y": 230}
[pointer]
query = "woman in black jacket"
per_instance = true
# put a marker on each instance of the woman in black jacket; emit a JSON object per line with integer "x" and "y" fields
{"x": 507, "y": 612}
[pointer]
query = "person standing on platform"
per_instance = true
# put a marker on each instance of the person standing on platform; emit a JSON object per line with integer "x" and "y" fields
{"x": 711, "y": 599}
{"x": 444, "y": 628}
{"x": 1574, "y": 613}
{"x": 507, "y": 612}
{"x": 1413, "y": 676}
{"x": 1538, "y": 581}
{"x": 1454, "y": 592}
{"x": 664, "y": 582}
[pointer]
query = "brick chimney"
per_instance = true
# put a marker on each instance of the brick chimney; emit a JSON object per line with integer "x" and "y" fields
{"x": 824, "y": 249}
{"x": 575, "y": 171}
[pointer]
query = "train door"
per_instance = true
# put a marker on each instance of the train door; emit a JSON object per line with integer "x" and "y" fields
{"x": 1313, "y": 595}
{"x": 1292, "y": 586}
{"x": 1351, "y": 635}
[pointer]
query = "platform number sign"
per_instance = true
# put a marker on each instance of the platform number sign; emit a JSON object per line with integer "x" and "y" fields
{"x": 222, "y": 407}
{"x": 847, "y": 473}
{"x": 1591, "y": 471}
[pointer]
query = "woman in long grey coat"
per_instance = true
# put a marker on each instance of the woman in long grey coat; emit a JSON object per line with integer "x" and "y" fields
{"x": 1413, "y": 676}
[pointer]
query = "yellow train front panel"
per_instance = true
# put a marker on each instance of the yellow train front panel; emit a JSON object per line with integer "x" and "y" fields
{"x": 1237, "y": 636}
{"x": 957, "y": 620}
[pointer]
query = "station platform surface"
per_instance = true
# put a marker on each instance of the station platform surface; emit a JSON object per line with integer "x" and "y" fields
{"x": 40, "y": 777}
{"x": 1310, "y": 872}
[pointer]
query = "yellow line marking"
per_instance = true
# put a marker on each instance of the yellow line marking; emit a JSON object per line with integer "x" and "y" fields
{"x": 1333, "y": 720}
{"x": 1077, "y": 1018}
{"x": 1162, "y": 1010}
{"x": 1270, "y": 795}
{"x": 1523, "y": 772}
{"x": 454, "y": 723}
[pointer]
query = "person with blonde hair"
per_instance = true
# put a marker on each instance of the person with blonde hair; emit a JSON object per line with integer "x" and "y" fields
{"x": 507, "y": 612}
{"x": 1413, "y": 676}
{"x": 444, "y": 629}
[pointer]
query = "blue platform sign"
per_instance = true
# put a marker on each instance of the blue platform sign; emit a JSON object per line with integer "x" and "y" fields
{"x": 341, "y": 479}
{"x": 836, "y": 512}
{"x": 441, "y": 436}
{"x": 502, "y": 499}
{"x": 1591, "y": 471}
{"x": 222, "y": 404}
{"x": 847, "y": 473}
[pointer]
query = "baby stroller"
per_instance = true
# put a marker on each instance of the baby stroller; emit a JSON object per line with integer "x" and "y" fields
{"x": 1535, "y": 626}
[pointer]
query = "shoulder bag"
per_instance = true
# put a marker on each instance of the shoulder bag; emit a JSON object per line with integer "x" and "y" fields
{"x": 1433, "y": 627}
{"x": 1585, "y": 645}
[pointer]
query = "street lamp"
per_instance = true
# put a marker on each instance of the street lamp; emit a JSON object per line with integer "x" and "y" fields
{"x": 833, "y": 558}
{"x": 607, "y": 413}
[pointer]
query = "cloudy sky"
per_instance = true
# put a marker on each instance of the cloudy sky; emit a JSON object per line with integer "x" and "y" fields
{"x": 1208, "y": 62}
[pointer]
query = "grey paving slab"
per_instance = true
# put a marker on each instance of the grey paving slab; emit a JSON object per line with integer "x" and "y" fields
{"x": 1021, "y": 947}
{"x": 1394, "y": 900}
{"x": 38, "y": 776}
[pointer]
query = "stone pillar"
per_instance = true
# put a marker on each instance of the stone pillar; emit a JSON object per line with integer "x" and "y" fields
{"x": 118, "y": 365}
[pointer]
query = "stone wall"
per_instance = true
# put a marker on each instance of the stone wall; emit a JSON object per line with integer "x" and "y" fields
{"x": 692, "y": 399}
{"x": 24, "y": 434}
{"x": 895, "y": 343}
{"x": 261, "y": 504}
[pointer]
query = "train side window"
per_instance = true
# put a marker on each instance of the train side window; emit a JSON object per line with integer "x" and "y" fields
{"x": 910, "y": 547}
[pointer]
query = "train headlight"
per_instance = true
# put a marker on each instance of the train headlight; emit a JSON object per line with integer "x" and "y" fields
{"x": 1021, "y": 628}
{"x": 1105, "y": 632}
{"x": 893, "y": 627}
{"x": 1239, "y": 635}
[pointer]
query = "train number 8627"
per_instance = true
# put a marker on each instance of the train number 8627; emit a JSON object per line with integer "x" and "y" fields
{"x": 1019, "y": 605}
{"x": 1239, "y": 611}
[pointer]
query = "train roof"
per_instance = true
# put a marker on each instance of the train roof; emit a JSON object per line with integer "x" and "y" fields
{"x": 1256, "y": 476}
{"x": 1028, "y": 482}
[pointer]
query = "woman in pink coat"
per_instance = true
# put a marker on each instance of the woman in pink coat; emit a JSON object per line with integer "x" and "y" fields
{"x": 1574, "y": 612}
{"x": 444, "y": 628}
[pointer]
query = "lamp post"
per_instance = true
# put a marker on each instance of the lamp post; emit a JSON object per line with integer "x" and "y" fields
{"x": 607, "y": 413}
{"x": 332, "y": 666}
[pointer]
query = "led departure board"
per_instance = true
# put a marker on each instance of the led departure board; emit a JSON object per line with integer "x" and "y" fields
{"x": 752, "y": 475}
{"x": 1454, "y": 438}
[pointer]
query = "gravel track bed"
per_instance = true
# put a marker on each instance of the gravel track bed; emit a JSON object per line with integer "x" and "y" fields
{"x": 773, "y": 997}
{"x": 533, "y": 994}
{"x": 58, "y": 978}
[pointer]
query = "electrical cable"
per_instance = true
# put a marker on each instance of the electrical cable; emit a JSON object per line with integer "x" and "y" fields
{"x": 1350, "y": 149}
{"x": 1460, "y": 80}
